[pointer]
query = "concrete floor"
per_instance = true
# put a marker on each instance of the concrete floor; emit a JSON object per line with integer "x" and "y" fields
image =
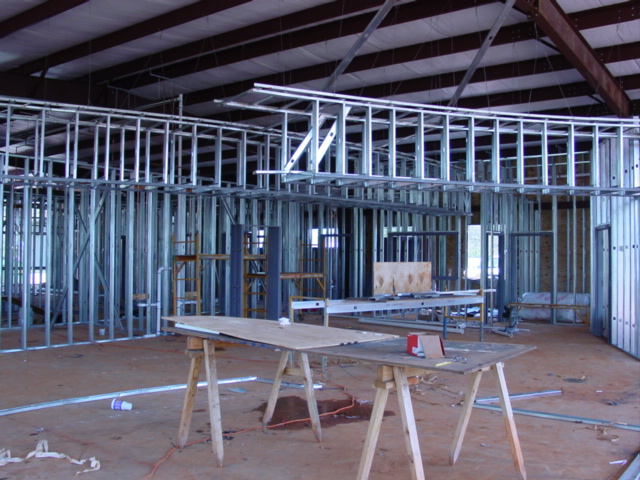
{"x": 597, "y": 381}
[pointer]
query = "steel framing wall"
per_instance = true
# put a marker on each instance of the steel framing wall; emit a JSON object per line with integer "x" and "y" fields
{"x": 616, "y": 259}
{"x": 92, "y": 198}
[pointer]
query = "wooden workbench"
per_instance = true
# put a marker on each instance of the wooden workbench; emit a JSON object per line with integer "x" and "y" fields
{"x": 395, "y": 368}
{"x": 202, "y": 331}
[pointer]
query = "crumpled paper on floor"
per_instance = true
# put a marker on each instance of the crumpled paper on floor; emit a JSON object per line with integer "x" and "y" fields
{"x": 42, "y": 451}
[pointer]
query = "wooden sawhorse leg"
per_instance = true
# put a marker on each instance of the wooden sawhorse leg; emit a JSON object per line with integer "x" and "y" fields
{"x": 190, "y": 394}
{"x": 198, "y": 349}
{"x": 507, "y": 413}
{"x": 387, "y": 378}
{"x": 305, "y": 372}
{"x": 509, "y": 423}
{"x": 463, "y": 421}
{"x": 275, "y": 388}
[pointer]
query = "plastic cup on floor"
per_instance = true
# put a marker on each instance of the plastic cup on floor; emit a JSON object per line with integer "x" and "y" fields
{"x": 120, "y": 405}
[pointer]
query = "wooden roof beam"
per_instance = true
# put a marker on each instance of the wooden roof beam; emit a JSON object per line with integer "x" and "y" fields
{"x": 265, "y": 38}
{"x": 37, "y": 14}
{"x": 555, "y": 23}
{"x": 599, "y": 17}
{"x": 64, "y": 91}
{"x": 142, "y": 29}
{"x": 262, "y": 30}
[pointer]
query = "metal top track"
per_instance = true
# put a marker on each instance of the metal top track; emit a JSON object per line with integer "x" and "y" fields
{"x": 325, "y": 148}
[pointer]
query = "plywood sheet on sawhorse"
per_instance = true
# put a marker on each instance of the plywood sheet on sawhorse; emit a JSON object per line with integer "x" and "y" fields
{"x": 295, "y": 336}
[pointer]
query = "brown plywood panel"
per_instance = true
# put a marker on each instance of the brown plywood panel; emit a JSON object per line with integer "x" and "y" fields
{"x": 390, "y": 278}
{"x": 296, "y": 336}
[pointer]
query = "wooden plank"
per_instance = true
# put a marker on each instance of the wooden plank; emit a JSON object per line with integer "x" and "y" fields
{"x": 390, "y": 278}
{"x": 189, "y": 398}
{"x": 373, "y": 432}
{"x": 409, "y": 424}
{"x": 215, "y": 416}
{"x": 300, "y": 275}
{"x": 311, "y": 396}
{"x": 509, "y": 423}
{"x": 295, "y": 336}
{"x": 275, "y": 390}
{"x": 463, "y": 421}
{"x": 195, "y": 343}
{"x": 385, "y": 373}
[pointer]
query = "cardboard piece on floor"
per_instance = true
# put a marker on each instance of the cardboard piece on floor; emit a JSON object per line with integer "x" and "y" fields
{"x": 428, "y": 346}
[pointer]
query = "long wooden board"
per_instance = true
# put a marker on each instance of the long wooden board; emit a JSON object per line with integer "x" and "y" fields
{"x": 391, "y": 278}
{"x": 296, "y": 336}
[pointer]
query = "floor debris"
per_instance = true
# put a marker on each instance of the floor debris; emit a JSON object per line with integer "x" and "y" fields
{"x": 42, "y": 451}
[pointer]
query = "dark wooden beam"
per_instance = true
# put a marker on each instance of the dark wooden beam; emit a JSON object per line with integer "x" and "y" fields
{"x": 555, "y": 23}
{"x": 37, "y": 14}
{"x": 157, "y": 24}
{"x": 554, "y": 92}
{"x": 536, "y": 66}
{"x": 593, "y": 110}
{"x": 275, "y": 26}
{"x": 608, "y": 15}
{"x": 253, "y": 48}
{"x": 62, "y": 91}
{"x": 396, "y": 56}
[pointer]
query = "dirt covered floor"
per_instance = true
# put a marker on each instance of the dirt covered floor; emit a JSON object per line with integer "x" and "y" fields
{"x": 597, "y": 381}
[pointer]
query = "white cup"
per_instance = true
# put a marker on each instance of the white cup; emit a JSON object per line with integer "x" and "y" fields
{"x": 117, "y": 404}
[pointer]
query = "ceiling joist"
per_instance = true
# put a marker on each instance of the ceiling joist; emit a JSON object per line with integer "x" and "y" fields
{"x": 162, "y": 22}
{"x": 255, "y": 45}
{"x": 418, "y": 52}
{"x": 37, "y": 14}
{"x": 503, "y": 71}
{"x": 261, "y": 30}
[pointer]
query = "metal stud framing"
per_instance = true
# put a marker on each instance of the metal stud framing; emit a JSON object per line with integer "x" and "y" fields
{"x": 92, "y": 198}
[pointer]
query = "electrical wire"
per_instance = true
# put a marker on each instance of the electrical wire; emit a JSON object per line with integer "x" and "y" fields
{"x": 281, "y": 424}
